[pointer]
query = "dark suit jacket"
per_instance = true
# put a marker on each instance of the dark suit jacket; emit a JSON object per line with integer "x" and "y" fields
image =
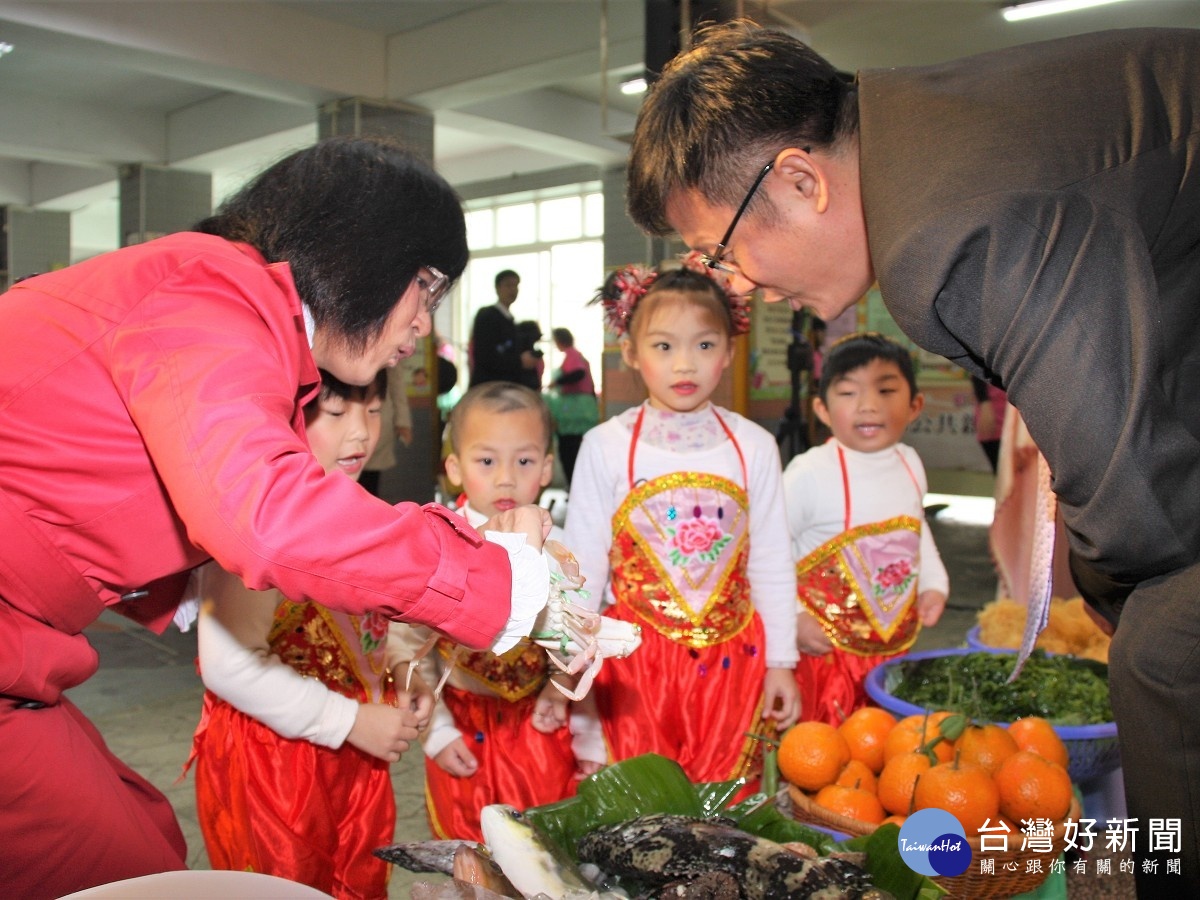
{"x": 1034, "y": 215}
{"x": 494, "y": 347}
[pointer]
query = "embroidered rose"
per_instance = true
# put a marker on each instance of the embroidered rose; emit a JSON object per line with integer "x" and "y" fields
{"x": 374, "y": 630}
{"x": 697, "y": 536}
{"x": 894, "y": 574}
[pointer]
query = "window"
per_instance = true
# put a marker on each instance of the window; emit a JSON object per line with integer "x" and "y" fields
{"x": 553, "y": 239}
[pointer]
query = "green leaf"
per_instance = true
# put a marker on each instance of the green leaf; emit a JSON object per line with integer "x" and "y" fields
{"x": 765, "y": 820}
{"x": 714, "y": 796}
{"x": 625, "y": 790}
{"x": 888, "y": 869}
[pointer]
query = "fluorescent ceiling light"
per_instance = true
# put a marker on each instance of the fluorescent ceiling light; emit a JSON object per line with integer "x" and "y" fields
{"x": 634, "y": 86}
{"x": 1037, "y": 8}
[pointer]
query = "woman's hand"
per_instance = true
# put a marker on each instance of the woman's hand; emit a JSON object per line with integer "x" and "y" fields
{"x": 532, "y": 521}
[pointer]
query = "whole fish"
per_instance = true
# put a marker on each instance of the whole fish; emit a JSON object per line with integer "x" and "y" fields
{"x": 475, "y": 866}
{"x": 530, "y": 860}
{"x": 424, "y": 856}
{"x": 658, "y": 849}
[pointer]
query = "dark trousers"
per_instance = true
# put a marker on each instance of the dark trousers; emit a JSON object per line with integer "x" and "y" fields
{"x": 1154, "y": 679}
{"x": 568, "y": 450}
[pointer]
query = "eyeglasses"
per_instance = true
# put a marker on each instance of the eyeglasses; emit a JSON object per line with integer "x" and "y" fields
{"x": 434, "y": 287}
{"x": 713, "y": 260}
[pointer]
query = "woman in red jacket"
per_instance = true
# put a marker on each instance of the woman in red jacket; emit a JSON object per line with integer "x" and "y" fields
{"x": 151, "y": 418}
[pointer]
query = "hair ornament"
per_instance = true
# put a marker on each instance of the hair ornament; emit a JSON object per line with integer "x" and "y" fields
{"x": 739, "y": 304}
{"x": 620, "y": 294}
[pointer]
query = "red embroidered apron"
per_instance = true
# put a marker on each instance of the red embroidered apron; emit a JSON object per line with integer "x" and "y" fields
{"x": 862, "y": 587}
{"x": 694, "y": 688}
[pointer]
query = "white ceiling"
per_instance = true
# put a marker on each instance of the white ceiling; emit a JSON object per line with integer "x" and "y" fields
{"x": 515, "y": 86}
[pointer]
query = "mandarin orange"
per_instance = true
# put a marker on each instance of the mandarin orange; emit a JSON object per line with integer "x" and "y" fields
{"x": 812, "y": 755}
{"x": 1037, "y": 734}
{"x": 865, "y": 730}
{"x": 962, "y": 789}
{"x": 985, "y": 746}
{"x": 852, "y": 802}
{"x": 857, "y": 773}
{"x": 898, "y": 778}
{"x": 1033, "y": 787}
{"x": 916, "y": 731}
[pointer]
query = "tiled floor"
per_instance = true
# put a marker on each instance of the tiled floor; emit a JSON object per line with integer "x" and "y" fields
{"x": 146, "y": 697}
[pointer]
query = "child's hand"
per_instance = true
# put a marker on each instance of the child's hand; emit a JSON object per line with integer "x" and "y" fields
{"x": 781, "y": 698}
{"x": 810, "y": 636}
{"x": 586, "y": 767}
{"x": 383, "y": 731}
{"x": 930, "y": 605}
{"x": 456, "y": 759}
{"x": 532, "y": 521}
{"x": 419, "y": 700}
{"x": 550, "y": 710}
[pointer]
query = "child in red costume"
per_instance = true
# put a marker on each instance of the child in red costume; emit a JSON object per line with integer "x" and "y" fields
{"x": 677, "y": 520}
{"x": 869, "y": 574}
{"x": 499, "y": 732}
{"x": 301, "y": 719}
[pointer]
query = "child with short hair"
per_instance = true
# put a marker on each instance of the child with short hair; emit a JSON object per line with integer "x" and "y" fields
{"x": 677, "y": 520}
{"x": 869, "y": 574}
{"x": 499, "y": 732}
{"x": 301, "y": 720}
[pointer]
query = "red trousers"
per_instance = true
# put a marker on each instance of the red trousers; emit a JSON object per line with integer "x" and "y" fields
{"x": 72, "y": 815}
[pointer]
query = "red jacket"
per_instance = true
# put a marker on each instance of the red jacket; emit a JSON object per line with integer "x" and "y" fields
{"x": 150, "y": 417}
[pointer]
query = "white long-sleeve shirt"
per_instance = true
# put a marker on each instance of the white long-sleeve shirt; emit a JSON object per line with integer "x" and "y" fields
{"x": 601, "y": 482}
{"x": 881, "y": 487}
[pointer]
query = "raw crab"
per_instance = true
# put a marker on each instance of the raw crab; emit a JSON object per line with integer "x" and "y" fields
{"x": 575, "y": 638}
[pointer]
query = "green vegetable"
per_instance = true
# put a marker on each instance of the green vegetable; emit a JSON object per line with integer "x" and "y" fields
{"x": 1063, "y": 689}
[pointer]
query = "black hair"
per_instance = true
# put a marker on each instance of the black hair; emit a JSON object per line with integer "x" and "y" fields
{"x": 857, "y": 350}
{"x": 721, "y": 111}
{"x": 506, "y": 273}
{"x": 332, "y": 386}
{"x": 500, "y": 397}
{"x": 354, "y": 218}
{"x": 563, "y": 336}
{"x": 699, "y": 288}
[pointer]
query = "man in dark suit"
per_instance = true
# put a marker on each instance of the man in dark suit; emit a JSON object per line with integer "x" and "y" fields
{"x": 1032, "y": 214}
{"x": 496, "y": 353}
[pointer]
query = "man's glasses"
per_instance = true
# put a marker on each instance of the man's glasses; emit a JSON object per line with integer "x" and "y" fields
{"x": 433, "y": 284}
{"x": 713, "y": 260}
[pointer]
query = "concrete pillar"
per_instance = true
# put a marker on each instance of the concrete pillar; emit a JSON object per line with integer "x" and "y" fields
{"x": 418, "y": 465}
{"x": 32, "y": 241}
{"x": 156, "y": 200}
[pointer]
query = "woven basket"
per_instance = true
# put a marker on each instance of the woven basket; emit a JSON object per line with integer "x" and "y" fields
{"x": 972, "y": 884}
